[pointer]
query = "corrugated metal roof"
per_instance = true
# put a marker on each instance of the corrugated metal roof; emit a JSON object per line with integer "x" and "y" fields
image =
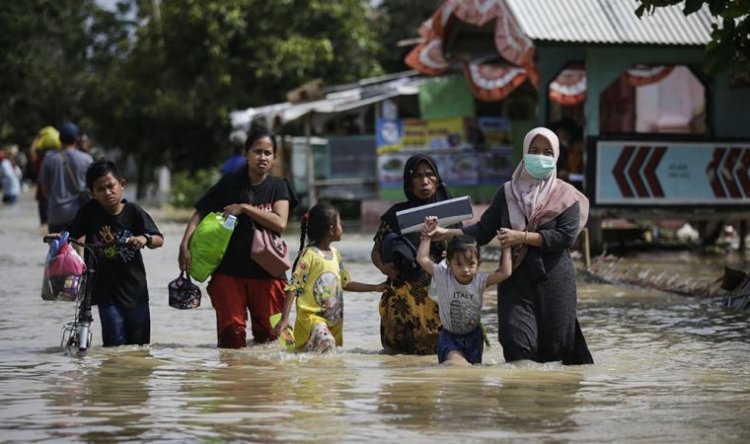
{"x": 609, "y": 21}
{"x": 340, "y": 98}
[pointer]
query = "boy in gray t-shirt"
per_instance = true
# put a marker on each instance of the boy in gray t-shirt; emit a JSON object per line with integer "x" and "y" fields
{"x": 457, "y": 285}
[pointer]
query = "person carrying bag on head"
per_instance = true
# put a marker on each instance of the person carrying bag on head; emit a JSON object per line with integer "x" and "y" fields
{"x": 239, "y": 284}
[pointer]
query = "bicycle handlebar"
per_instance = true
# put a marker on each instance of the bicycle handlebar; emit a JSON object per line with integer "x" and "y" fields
{"x": 50, "y": 237}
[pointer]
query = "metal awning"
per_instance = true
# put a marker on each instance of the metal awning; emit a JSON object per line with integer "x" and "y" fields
{"x": 340, "y": 100}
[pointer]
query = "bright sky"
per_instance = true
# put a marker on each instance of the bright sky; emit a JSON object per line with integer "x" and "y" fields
{"x": 107, "y": 4}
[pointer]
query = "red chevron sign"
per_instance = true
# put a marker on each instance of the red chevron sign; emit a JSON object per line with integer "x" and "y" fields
{"x": 635, "y": 175}
{"x": 728, "y": 172}
{"x": 660, "y": 172}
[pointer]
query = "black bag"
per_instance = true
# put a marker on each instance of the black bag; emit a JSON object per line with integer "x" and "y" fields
{"x": 399, "y": 250}
{"x": 183, "y": 293}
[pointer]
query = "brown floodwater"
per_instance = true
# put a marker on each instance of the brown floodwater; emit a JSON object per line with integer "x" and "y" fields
{"x": 668, "y": 369}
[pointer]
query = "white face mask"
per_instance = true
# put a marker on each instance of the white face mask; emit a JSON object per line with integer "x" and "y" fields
{"x": 539, "y": 166}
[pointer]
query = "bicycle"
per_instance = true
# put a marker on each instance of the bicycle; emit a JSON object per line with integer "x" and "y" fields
{"x": 77, "y": 335}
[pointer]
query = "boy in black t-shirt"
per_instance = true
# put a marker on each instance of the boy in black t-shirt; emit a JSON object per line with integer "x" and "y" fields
{"x": 117, "y": 230}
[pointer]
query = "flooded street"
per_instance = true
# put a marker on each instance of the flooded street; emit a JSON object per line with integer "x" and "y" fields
{"x": 668, "y": 369}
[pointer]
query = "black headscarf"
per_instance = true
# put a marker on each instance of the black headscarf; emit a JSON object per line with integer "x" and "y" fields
{"x": 412, "y": 201}
{"x": 410, "y": 168}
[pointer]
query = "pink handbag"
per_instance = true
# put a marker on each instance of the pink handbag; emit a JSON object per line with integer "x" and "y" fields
{"x": 270, "y": 251}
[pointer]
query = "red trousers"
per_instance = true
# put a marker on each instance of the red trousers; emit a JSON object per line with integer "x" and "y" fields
{"x": 233, "y": 297}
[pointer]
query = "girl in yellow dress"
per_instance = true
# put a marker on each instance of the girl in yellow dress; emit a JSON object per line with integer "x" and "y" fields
{"x": 318, "y": 280}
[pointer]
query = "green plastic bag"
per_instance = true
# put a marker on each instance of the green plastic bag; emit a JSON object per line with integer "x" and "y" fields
{"x": 208, "y": 244}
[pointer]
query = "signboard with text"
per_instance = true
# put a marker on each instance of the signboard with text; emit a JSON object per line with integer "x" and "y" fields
{"x": 658, "y": 172}
{"x": 474, "y": 156}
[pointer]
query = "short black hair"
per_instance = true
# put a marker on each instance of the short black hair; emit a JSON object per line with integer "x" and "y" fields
{"x": 101, "y": 168}
{"x": 462, "y": 244}
{"x": 258, "y": 134}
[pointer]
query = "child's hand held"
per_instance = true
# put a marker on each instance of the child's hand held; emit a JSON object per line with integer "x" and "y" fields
{"x": 430, "y": 224}
{"x": 504, "y": 236}
{"x": 381, "y": 287}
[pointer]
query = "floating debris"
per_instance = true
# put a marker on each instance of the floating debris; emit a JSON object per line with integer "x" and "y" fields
{"x": 613, "y": 271}
{"x": 737, "y": 283}
{"x": 734, "y": 288}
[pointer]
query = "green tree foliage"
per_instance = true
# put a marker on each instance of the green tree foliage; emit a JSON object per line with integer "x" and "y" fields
{"x": 396, "y": 21}
{"x": 158, "y": 79}
{"x": 187, "y": 188}
{"x": 729, "y": 48}
{"x": 192, "y": 62}
{"x": 44, "y": 51}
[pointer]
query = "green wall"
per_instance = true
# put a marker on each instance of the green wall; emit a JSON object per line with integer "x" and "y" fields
{"x": 731, "y": 109}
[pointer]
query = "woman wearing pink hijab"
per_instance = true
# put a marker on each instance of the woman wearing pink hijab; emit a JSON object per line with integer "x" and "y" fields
{"x": 540, "y": 217}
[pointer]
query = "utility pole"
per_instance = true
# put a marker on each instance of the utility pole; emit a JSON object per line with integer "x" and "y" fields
{"x": 311, "y": 195}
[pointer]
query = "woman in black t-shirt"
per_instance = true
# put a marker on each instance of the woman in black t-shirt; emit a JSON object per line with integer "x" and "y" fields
{"x": 239, "y": 284}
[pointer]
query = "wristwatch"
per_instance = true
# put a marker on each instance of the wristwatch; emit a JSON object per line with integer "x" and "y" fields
{"x": 149, "y": 238}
